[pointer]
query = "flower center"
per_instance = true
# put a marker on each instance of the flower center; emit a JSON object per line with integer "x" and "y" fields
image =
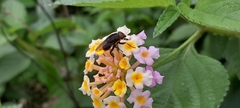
{"x": 97, "y": 92}
{"x": 141, "y": 99}
{"x": 99, "y": 51}
{"x": 97, "y": 103}
{"x": 124, "y": 64}
{"x": 113, "y": 105}
{"x": 120, "y": 87}
{"x": 92, "y": 48}
{"x": 129, "y": 46}
{"x": 137, "y": 77}
{"x": 145, "y": 54}
{"x": 85, "y": 85}
{"x": 88, "y": 65}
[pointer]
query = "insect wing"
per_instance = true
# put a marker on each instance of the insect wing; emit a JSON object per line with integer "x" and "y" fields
{"x": 100, "y": 46}
{"x": 110, "y": 41}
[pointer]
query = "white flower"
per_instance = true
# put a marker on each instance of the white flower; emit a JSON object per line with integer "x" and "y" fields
{"x": 138, "y": 77}
{"x": 130, "y": 46}
{"x": 97, "y": 102}
{"x": 124, "y": 30}
{"x": 85, "y": 88}
{"x": 114, "y": 102}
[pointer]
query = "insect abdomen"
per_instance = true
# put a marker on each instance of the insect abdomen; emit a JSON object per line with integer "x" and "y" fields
{"x": 111, "y": 40}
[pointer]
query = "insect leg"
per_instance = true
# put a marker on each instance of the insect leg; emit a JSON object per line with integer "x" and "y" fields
{"x": 121, "y": 42}
{"x": 112, "y": 50}
{"x": 125, "y": 38}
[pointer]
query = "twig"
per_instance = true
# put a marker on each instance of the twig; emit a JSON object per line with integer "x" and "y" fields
{"x": 71, "y": 93}
{"x": 65, "y": 9}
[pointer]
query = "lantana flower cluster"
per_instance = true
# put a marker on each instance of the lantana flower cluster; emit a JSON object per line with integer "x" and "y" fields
{"x": 127, "y": 68}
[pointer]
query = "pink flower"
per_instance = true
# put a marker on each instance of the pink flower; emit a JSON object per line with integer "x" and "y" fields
{"x": 154, "y": 52}
{"x": 140, "y": 99}
{"x": 157, "y": 78}
{"x": 142, "y": 36}
{"x": 146, "y": 56}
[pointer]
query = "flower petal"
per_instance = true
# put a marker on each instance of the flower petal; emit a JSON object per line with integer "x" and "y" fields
{"x": 148, "y": 78}
{"x": 124, "y": 29}
{"x": 149, "y": 61}
{"x": 154, "y": 52}
{"x": 157, "y": 77}
{"x": 142, "y": 35}
{"x": 128, "y": 78}
{"x": 148, "y": 103}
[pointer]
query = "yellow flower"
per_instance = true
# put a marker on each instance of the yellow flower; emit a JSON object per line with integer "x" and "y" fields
{"x": 113, "y": 102}
{"x": 119, "y": 87}
{"x": 93, "y": 46}
{"x": 85, "y": 88}
{"x": 97, "y": 102}
{"x": 89, "y": 65}
{"x": 130, "y": 46}
{"x": 124, "y": 63}
{"x": 97, "y": 92}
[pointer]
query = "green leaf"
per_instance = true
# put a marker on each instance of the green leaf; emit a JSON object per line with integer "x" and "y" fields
{"x": 28, "y": 3}
{"x": 52, "y": 42}
{"x": 190, "y": 81}
{"x": 78, "y": 38}
{"x": 187, "y": 2}
{"x": 6, "y": 49}
{"x": 180, "y": 33}
{"x": 227, "y": 48}
{"x": 63, "y": 100}
{"x": 169, "y": 15}
{"x": 16, "y": 13}
{"x": 117, "y": 3}
{"x": 231, "y": 100}
{"x": 0, "y": 104}
{"x": 220, "y": 16}
{"x": 51, "y": 76}
{"x": 11, "y": 65}
{"x": 43, "y": 26}
{"x": 48, "y": 74}
{"x": 49, "y": 10}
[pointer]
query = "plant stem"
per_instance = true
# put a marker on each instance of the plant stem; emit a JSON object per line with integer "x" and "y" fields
{"x": 65, "y": 9}
{"x": 69, "y": 86}
{"x": 191, "y": 40}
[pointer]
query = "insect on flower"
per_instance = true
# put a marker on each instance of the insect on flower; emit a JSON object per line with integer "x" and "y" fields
{"x": 112, "y": 41}
{"x": 114, "y": 78}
